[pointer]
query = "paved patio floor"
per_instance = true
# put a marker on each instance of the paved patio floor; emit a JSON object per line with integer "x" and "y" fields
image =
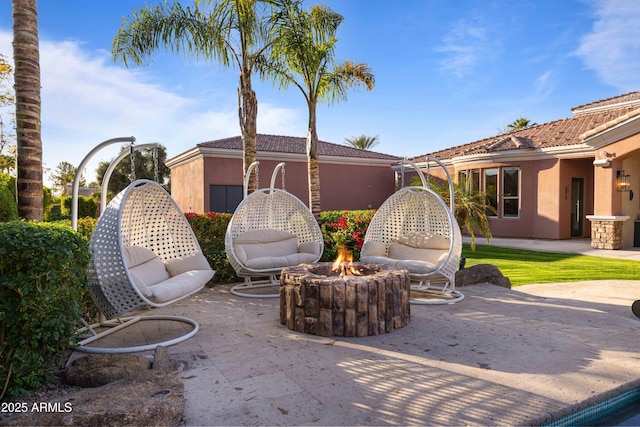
{"x": 500, "y": 357}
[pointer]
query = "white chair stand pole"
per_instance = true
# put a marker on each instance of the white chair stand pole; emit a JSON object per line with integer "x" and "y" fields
{"x": 112, "y": 167}
{"x": 83, "y": 164}
{"x": 245, "y": 184}
{"x": 275, "y": 174}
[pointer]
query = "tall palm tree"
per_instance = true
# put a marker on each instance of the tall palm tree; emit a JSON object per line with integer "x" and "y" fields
{"x": 231, "y": 32}
{"x": 26, "y": 56}
{"x": 363, "y": 142}
{"x": 303, "y": 56}
{"x": 519, "y": 123}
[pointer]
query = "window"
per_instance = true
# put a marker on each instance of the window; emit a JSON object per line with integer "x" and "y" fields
{"x": 510, "y": 192}
{"x": 491, "y": 190}
{"x": 470, "y": 179}
{"x": 224, "y": 198}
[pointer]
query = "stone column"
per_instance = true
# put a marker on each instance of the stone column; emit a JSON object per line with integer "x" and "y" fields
{"x": 606, "y": 231}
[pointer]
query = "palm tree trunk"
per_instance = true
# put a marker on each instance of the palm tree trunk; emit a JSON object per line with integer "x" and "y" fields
{"x": 27, "y": 87}
{"x": 248, "y": 113}
{"x": 313, "y": 166}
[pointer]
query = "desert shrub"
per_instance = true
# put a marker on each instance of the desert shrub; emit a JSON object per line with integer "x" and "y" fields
{"x": 346, "y": 228}
{"x": 8, "y": 203}
{"x": 43, "y": 279}
{"x": 209, "y": 229}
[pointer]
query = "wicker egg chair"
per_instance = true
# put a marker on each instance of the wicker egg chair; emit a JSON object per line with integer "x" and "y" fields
{"x": 143, "y": 255}
{"x": 416, "y": 230}
{"x": 270, "y": 229}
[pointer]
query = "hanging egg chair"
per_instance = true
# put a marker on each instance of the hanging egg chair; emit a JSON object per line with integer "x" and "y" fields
{"x": 416, "y": 230}
{"x": 144, "y": 254}
{"x": 270, "y": 229}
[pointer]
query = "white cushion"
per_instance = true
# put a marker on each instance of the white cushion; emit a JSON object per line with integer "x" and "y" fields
{"x": 187, "y": 263}
{"x": 416, "y": 266}
{"x": 280, "y": 262}
{"x": 403, "y": 252}
{"x": 424, "y": 240}
{"x": 371, "y": 248}
{"x": 309, "y": 248}
{"x": 264, "y": 243}
{"x": 140, "y": 285}
{"x": 263, "y": 236}
{"x": 378, "y": 260}
{"x": 180, "y": 286}
{"x": 136, "y": 255}
{"x": 150, "y": 272}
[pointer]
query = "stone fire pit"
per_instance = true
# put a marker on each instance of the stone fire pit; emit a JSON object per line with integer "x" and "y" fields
{"x": 315, "y": 300}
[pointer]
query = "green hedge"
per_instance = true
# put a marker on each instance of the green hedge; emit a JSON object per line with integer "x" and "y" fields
{"x": 8, "y": 203}
{"x": 43, "y": 279}
{"x": 209, "y": 229}
{"x": 87, "y": 207}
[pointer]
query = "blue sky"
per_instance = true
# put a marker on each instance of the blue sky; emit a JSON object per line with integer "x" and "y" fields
{"x": 447, "y": 73}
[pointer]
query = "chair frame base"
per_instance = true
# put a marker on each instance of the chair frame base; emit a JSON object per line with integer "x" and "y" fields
{"x": 121, "y": 323}
{"x": 442, "y": 295}
{"x": 256, "y": 284}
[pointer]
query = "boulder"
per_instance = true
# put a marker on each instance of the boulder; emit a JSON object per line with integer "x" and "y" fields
{"x": 481, "y": 273}
{"x": 140, "y": 396}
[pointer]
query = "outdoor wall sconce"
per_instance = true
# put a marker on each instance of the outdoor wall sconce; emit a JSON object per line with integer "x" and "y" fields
{"x": 623, "y": 181}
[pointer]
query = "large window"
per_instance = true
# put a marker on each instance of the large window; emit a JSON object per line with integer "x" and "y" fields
{"x": 491, "y": 190}
{"x": 501, "y": 187}
{"x": 510, "y": 192}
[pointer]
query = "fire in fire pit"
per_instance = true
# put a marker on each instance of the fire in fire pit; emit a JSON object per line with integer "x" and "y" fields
{"x": 318, "y": 300}
{"x": 343, "y": 264}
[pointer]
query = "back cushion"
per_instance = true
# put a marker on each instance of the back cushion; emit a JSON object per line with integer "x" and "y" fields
{"x": 423, "y": 240}
{"x": 187, "y": 263}
{"x": 265, "y": 243}
{"x": 136, "y": 255}
{"x": 400, "y": 251}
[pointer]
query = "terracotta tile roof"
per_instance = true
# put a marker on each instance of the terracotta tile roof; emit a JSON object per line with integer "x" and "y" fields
{"x": 296, "y": 145}
{"x": 591, "y": 118}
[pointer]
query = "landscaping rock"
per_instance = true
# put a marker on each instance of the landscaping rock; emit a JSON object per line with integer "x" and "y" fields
{"x": 140, "y": 397}
{"x": 481, "y": 273}
{"x": 96, "y": 370}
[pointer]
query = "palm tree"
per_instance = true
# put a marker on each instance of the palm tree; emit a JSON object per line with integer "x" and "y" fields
{"x": 230, "y": 31}
{"x": 26, "y": 57}
{"x": 520, "y": 123}
{"x": 303, "y": 56}
{"x": 363, "y": 142}
{"x": 470, "y": 208}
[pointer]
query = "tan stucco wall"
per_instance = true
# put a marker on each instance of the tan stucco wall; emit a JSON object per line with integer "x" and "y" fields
{"x": 187, "y": 184}
{"x": 342, "y": 186}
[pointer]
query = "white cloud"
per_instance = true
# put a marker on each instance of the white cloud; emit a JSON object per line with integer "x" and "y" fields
{"x": 612, "y": 48}
{"x": 464, "y": 46}
{"x": 86, "y": 99}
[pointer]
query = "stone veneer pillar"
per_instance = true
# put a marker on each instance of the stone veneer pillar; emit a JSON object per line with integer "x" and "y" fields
{"x": 606, "y": 231}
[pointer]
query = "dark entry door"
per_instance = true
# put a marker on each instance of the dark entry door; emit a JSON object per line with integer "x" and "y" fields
{"x": 577, "y": 206}
{"x": 224, "y": 198}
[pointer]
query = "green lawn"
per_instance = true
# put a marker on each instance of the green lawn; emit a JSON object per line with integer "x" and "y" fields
{"x": 525, "y": 267}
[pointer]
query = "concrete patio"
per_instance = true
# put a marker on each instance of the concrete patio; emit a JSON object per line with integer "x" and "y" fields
{"x": 500, "y": 357}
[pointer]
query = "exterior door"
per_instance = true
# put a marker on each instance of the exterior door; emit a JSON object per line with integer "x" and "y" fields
{"x": 577, "y": 206}
{"x": 224, "y": 198}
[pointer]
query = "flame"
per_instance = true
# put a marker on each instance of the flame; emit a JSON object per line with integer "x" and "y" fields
{"x": 344, "y": 263}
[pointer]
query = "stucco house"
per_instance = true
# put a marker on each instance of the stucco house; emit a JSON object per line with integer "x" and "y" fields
{"x": 208, "y": 177}
{"x": 574, "y": 177}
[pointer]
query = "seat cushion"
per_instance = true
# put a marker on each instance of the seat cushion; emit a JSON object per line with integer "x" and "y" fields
{"x": 180, "y": 286}
{"x": 187, "y": 263}
{"x": 414, "y": 266}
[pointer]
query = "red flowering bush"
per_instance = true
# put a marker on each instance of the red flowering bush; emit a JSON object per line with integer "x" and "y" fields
{"x": 344, "y": 228}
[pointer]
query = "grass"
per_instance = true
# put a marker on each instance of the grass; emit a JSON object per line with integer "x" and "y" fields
{"x": 524, "y": 267}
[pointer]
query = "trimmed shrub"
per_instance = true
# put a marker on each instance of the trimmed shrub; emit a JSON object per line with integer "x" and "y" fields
{"x": 344, "y": 228}
{"x": 8, "y": 203}
{"x": 87, "y": 207}
{"x": 43, "y": 279}
{"x": 210, "y": 229}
